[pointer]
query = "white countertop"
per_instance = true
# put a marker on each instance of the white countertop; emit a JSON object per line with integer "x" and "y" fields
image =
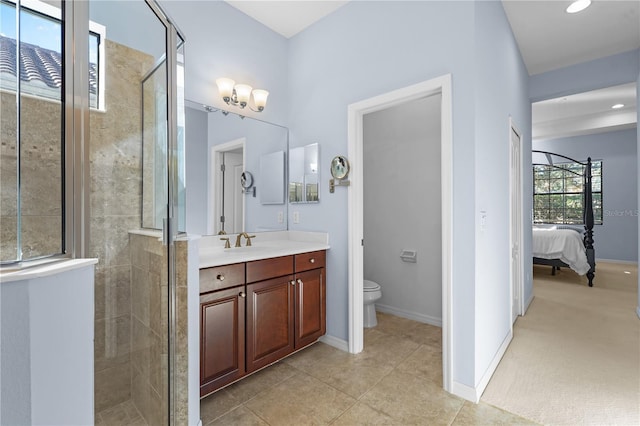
{"x": 44, "y": 269}
{"x": 263, "y": 246}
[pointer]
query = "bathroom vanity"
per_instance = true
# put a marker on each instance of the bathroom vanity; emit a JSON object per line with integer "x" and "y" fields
{"x": 266, "y": 304}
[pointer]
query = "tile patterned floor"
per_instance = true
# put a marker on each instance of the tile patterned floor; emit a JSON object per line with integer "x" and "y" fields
{"x": 396, "y": 380}
{"x": 124, "y": 414}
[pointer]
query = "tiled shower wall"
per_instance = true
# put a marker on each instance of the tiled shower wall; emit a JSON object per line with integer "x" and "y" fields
{"x": 115, "y": 169}
{"x": 40, "y": 163}
{"x": 149, "y": 303}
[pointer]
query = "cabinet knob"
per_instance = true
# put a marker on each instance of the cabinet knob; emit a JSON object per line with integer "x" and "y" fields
{"x": 220, "y": 277}
{"x": 292, "y": 282}
{"x": 299, "y": 281}
{"x": 242, "y": 294}
{"x": 312, "y": 260}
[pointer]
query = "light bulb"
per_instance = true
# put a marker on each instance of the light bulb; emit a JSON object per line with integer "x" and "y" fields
{"x": 243, "y": 93}
{"x": 578, "y": 5}
{"x": 260, "y": 98}
{"x": 225, "y": 88}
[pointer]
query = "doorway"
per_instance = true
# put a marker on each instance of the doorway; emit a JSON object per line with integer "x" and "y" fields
{"x": 356, "y": 113}
{"x": 515, "y": 184}
{"x": 225, "y": 192}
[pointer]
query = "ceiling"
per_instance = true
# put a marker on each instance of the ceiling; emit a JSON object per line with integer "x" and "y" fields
{"x": 548, "y": 38}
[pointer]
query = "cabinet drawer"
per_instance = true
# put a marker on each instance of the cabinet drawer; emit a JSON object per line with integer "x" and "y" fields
{"x": 259, "y": 270}
{"x": 220, "y": 277}
{"x": 311, "y": 260}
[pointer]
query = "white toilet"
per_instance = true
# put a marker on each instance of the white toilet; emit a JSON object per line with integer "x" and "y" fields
{"x": 372, "y": 293}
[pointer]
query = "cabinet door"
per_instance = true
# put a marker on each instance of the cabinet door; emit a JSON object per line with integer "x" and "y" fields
{"x": 269, "y": 321}
{"x": 222, "y": 328}
{"x": 310, "y": 321}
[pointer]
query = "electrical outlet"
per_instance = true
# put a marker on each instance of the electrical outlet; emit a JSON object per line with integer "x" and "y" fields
{"x": 296, "y": 217}
{"x": 280, "y": 216}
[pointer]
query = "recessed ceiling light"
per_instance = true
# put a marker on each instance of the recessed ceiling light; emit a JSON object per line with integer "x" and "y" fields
{"x": 617, "y": 106}
{"x": 578, "y": 6}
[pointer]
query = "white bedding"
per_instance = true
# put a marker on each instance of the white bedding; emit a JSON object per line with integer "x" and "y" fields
{"x": 563, "y": 244}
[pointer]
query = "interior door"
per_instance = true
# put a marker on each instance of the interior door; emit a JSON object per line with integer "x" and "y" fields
{"x": 516, "y": 222}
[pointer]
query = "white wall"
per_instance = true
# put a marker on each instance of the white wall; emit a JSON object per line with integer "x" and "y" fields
{"x": 501, "y": 92}
{"x": 369, "y": 48}
{"x": 402, "y": 208}
{"x": 366, "y": 49}
{"x": 46, "y": 340}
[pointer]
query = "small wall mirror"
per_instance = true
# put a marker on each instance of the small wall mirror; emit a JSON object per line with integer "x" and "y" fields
{"x": 271, "y": 182}
{"x": 303, "y": 174}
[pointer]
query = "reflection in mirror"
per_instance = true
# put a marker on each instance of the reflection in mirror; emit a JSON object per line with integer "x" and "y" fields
{"x": 272, "y": 178}
{"x": 248, "y": 139}
{"x": 303, "y": 174}
{"x": 229, "y": 200}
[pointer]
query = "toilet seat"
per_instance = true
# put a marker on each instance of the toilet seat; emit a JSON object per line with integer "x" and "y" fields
{"x": 371, "y": 286}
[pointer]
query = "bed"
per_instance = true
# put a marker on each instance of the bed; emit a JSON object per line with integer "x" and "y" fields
{"x": 562, "y": 246}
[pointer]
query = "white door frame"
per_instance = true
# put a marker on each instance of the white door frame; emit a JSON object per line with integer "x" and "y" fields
{"x": 356, "y": 113}
{"x": 515, "y": 189}
{"x": 215, "y": 181}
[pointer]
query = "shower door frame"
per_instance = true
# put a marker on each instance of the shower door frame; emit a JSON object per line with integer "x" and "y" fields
{"x": 77, "y": 131}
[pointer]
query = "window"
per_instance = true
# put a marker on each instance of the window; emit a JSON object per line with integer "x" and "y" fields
{"x": 558, "y": 193}
{"x": 33, "y": 199}
{"x": 41, "y": 51}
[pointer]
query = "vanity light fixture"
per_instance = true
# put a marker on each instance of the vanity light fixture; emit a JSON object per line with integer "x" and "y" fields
{"x": 239, "y": 94}
{"x": 578, "y": 6}
{"x": 617, "y": 106}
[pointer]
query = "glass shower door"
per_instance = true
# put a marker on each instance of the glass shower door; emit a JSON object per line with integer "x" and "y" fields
{"x": 133, "y": 145}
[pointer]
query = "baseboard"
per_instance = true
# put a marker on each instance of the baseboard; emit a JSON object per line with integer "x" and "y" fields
{"x": 622, "y": 262}
{"x": 427, "y": 319}
{"x": 527, "y": 303}
{"x": 474, "y": 394}
{"x": 343, "y": 345}
{"x": 464, "y": 391}
{"x": 484, "y": 381}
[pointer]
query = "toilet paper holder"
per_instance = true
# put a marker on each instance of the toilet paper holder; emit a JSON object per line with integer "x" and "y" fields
{"x": 409, "y": 256}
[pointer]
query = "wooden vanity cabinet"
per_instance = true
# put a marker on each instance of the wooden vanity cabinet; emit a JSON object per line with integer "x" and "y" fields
{"x": 222, "y": 326}
{"x": 310, "y": 293}
{"x": 270, "y": 311}
{"x": 253, "y": 314}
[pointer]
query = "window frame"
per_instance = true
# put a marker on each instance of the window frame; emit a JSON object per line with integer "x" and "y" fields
{"x": 75, "y": 127}
{"x": 598, "y": 218}
{"x": 39, "y": 7}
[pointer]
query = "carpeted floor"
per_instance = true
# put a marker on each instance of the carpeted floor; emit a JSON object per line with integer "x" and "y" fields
{"x": 575, "y": 355}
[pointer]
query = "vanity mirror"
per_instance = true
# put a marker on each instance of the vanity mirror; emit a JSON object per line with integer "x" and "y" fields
{"x": 303, "y": 174}
{"x": 238, "y": 145}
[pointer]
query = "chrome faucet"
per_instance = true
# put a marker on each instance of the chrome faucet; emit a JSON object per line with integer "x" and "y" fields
{"x": 239, "y": 239}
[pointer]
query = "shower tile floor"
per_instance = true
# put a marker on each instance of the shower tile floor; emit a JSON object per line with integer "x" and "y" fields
{"x": 124, "y": 414}
{"x": 396, "y": 380}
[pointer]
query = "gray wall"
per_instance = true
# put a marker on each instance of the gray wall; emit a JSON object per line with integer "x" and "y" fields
{"x": 224, "y": 42}
{"x": 196, "y": 174}
{"x": 616, "y": 238}
{"x": 402, "y": 208}
{"x": 638, "y": 139}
